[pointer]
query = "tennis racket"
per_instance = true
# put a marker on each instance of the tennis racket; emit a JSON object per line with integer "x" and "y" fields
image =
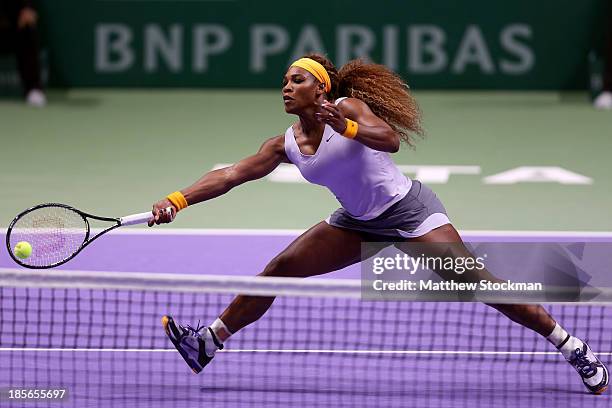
{"x": 58, "y": 232}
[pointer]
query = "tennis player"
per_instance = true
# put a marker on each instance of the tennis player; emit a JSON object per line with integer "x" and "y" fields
{"x": 349, "y": 121}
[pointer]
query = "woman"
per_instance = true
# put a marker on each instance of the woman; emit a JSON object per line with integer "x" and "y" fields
{"x": 345, "y": 145}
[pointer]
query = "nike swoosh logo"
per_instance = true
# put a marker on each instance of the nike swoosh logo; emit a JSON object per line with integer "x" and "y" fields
{"x": 329, "y": 138}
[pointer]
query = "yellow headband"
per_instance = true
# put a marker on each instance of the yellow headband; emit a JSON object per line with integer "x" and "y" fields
{"x": 315, "y": 69}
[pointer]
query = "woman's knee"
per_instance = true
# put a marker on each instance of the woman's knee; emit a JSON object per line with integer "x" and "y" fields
{"x": 281, "y": 265}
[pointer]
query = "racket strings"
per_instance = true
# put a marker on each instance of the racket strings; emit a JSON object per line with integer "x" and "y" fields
{"x": 55, "y": 234}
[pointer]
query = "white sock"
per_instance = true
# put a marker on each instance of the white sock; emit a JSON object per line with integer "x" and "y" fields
{"x": 563, "y": 341}
{"x": 221, "y": 331}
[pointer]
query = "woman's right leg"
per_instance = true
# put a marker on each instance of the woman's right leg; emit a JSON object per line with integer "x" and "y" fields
{"x": 321, "y": 249}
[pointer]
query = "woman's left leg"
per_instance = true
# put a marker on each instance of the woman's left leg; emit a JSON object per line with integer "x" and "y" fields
{"x": 534, "y": 317}
{"x": 593, "y": 372}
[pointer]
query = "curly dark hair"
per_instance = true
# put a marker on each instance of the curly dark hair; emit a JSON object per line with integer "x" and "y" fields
{"x": 385, "y": 93}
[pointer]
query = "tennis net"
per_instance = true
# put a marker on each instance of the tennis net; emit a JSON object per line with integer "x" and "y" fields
{"x": 98, "y": 336}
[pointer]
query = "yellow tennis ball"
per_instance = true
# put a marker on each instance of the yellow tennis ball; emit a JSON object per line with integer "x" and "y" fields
{"x": 23, "y": 250}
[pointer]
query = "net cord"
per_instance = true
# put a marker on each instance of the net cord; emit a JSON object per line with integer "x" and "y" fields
{"x": 189, "y": 283}
{"x": 148, "y": 282}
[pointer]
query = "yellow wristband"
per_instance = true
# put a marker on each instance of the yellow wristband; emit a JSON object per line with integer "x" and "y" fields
{"x": 178, "y": 200}
{"x": 351, "y": 129}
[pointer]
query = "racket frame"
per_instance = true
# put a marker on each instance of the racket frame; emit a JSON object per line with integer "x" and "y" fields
{"x": 85, "y": 243}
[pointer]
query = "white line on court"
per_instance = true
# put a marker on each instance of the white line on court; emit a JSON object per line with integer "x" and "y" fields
{"x": 295, "y": 232}
{"x": 302, "y": 351}
{"x": 211, "y": 231}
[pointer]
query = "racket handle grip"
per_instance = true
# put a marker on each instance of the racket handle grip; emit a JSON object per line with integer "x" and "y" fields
{"x": 141, "y": 218}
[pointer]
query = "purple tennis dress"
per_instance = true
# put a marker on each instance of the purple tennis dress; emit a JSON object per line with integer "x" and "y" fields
{"x": 375, "y": 196}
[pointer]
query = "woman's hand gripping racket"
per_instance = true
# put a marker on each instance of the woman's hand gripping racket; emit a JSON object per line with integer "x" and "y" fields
{"x": 52, "y": 234}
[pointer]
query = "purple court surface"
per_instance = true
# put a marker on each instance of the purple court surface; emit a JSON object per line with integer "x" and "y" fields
{"x": 111, "y": 351}
{"x": 231, "y": 252}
